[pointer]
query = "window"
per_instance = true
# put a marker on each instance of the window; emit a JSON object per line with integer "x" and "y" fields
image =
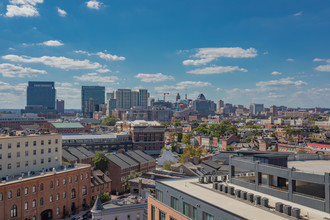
{"x": 10, "y": 194}
{"x": 64, "y": 181}
{"x": 34, "y": 217}
{"x": 18, "y": 164}
{"x": 0, "y": 146}
{"x": 9, "y": 166}
{"x": 57, "y": 211}
{"x": 0, "y": 156}
{"x": 86, "y": 175}
{"x": 26, "y": 191}
{"x": 34, "y": 203}
{"x": 1, "y": 196}
{"x": 57, "y": 196}
{"x": 13, "y": 211}
{"x": 73, "y": 194}
{"x": 42, "y": 151}
{"x": 93, "y": 189}
{"x": 26, "y": 143}
{"x": 34, "y": 188}
{"x": 159, "y": 195}
{"x": 18, "y": 193}
{"x": 41, "y": 201}
{"x": 64, "y": 195}
{"x": 138, "y": 216}
{"x": 0, "y": 167}
{"x": 42, "y": 161}
{"x": 34, "y": 152}
{"x": 49, "y": 150}
{"x": 84, "y": 190}
{"x": 81, "y": 176}
{"x": 76, "y": 178}
{"x": 207, "y": 216}
{"x": 9, "y": 155}
{"x": 162, "y": 215}
{"x": 171, "y": 218}
{"x": 42, "y": 142}
{"x": 18, "y": 145}
{"x": 9, "y": 146}
{"x": 56, "y": 149}
{"x": 34, "y": 162}
{"x": 174, "y": 203}
{"x": 26, "y": 163}
{"x": 190, "y": 211}
{"x": 70, "y": 179}
{"x": 56, "y": 141}
{"x": 153, "y": 213}
{"x": 34, "y": 143}
{"x": 49, "y": 160}
{"x": 41, "y": 187}
{"x": 57, "y": 182}
{"x": 26, "y": 153}
{"x": 18, "y": 154}
{"x": 26, "y": 206}
{"x": 51, "y": 198}
{"x": 49, "y": 141}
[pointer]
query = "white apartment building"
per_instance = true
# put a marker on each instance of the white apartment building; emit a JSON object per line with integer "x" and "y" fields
{"x": 20, "y": 154}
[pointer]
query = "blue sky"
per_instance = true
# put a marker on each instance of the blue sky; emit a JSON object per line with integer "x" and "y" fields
{"x": 271, "y": 52}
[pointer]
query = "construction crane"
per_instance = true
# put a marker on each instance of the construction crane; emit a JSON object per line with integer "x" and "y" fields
{"x": 165, "y": 93}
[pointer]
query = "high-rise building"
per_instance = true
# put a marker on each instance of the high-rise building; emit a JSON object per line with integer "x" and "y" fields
{"x": 220, "y": 105}
{"x": 256, "y": 108}
{"x": 60, "y": 106}
{"x": 203, "y": 106}
{"x": 91, "y": 98}
{"x": 41, "y": 94}
{"x": 127, "y": 98}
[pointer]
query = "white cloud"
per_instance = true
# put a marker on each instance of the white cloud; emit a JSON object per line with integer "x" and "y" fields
{"x": 103, "y": 70}
{"x": 276, "y": 73}
{"x": 58, "y": 62}
{"x": 218, "y": 89}
{"x": 10, "y": 70}
{"x": 290, "y": 60}
{"x": 181, "y": 86}
{"x": 216, "y": 70}
{"x": 61, "y": 12}
{"x": 266, "y": 52}
{"x": 321, "y": 60}
{"x": 280, "y": 84}
{"x": 93, "y": 77}
{"x": 110, "y": 57}
{"x": 157, "y": 77}
{"x": 23, "y": 8}
{"x": 323, "y": 68}
{"x": 298, "y": 13}
{"x": 21, "y": 11}
{"x": 207, "y": 55}
{"x": 93, "y": 4}
{"x": 106, "y": 56}
{"x": 52, "y": 43}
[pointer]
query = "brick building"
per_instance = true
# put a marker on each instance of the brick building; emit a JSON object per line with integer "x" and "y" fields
{"x": 51, "y": 195}
{"x": 68, "y": 128}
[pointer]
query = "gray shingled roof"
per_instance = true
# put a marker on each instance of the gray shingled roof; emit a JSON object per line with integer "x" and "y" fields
{"x": 97, "y": 205}
{"x": 77, "y": 153}
{"x": 136, "y": 157}
{"x": 118, "y": 161}
{"x": 144, "y": 155}
{"x": 85, "y": 151}
{"x": 67, "y": 156}
{"x": 127, "y": 159}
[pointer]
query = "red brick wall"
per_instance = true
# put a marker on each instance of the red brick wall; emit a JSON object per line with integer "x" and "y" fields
{"x": 164, "y": 208}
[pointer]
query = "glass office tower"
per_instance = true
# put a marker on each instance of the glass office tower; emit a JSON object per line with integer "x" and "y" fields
{"x": 41, "y": 94}
{"x": 91, "y": 98}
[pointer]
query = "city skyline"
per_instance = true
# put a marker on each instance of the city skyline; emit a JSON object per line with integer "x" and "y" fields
{"x": 273, "y": 52}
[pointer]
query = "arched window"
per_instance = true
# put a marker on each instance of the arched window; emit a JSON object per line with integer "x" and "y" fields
{"x": 18, "y": 193}
{"x": 41, "y": 187}
{"x": 10, "y": 194}
{"x": 84, "y": 190}
{"x": 13, "y": 211}
{"x": 64, "y": 195}
{"x": 51, "y": 184}
{"x": 51, "y": 198}
{"x": 26, "y": 190}
{"x": 26, "y": 206}
{"x": 64, "y": 181}
{"x": 73, "y": 194}
{"x": 34, "y": 203}
{"x": 41, "y": 201}
{"x": 57, "y": 196}
{"x": 34, "y": 188}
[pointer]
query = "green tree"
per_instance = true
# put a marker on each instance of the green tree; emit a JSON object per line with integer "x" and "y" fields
{"x": 186, "y": 138}
{"x": 132, "y": 175}
{"x": 165, "y": 123}
{"x": 302, "y": 151}
{"x": 194, "y": 125}
{"x": 230, "y": 148}
{"x": 202, "y": 128}
{"x": 177, "y": 124}
{"x": 167, "y": 165}
{"x": 191, "y": 151}
{"x": 173, "y": 148}
{"x": 109, "y": 121}
{"x": 105, "y": 197}
{"x": 179, "y": 137}
{"x": 100, "y": 163}
{"x": 316, "y": 129}
{"x": 248, "y": 139}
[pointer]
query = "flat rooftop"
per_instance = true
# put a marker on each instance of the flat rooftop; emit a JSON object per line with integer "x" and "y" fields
{"x": 204, "y": 192}
{"x": 311, "y": 166}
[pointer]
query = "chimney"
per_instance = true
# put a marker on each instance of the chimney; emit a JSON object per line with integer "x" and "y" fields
{"x": 140, "y": 187}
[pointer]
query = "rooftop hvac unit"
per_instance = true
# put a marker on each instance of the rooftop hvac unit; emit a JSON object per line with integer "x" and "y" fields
{"x": 287, "y": 209}
{"x": 264, "y": 202}
{"x": 208, "y": 179}
{"x": 201, "y": 179}
{"x": 257, "y": 200}
{"x": 250, "y": 197}
{"x": 238, "y": 193}
{"x": 220, "y": 187}
{"x": 231, "y": 190}
{"x": 295, "y": 212}
{"x": 215, "y": 185}
{"x": 279, "y": 207}
{"x": 244, "y": 195}
{"x": 225, "y": 189}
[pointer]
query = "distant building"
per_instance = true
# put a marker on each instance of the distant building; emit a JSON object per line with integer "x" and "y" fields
{"x": 256, "y": 108}
{"x": 91, "y": 98}
{"x": 220, "y": 105}
{"x": 67, "y": 128}
{"x": 204, "y": 107}
{"x": 16, "y": 122}
{"x": 126, "y": 98}
{"x": 60, "y": 106}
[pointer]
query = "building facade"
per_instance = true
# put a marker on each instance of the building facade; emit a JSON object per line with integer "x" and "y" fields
{"x": 91, "y": 98}
{"x": 41, "y": 93}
